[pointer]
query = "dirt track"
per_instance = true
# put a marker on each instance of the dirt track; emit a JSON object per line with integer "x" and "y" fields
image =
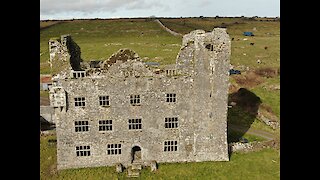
{"x": 44, "y": 101}
{"x": 256, "y": 132}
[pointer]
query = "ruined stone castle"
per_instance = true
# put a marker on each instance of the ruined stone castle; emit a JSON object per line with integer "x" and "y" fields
{"x": 123, "y": 111}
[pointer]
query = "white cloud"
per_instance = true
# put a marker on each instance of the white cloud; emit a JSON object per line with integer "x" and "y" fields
{"x": 48, "y": 7}
{"x": 66, "y": 9}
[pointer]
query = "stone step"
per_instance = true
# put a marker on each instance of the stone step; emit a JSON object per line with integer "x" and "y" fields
{"x": 136, "y": 166}
{"x": 133, "y": 172}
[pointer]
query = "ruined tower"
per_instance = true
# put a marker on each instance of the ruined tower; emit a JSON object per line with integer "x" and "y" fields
{"x": 124, "y": 112}
{"x": 206, "y": 58}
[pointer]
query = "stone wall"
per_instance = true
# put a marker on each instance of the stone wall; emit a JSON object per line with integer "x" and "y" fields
{"x": 47, "y": 112}
{"x": 272, "y": 122}
{"x": 253, "y": 146}
{"x": 64, "y": 54}
{"x": 240, "y": 147}
{"x": 200, "y": 84}
{"x": 167, "y": 29}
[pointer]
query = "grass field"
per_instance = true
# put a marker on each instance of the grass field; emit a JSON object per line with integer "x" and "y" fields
{"x": 99, "y": 39}
{"x": 46, "y": 24}
{"x": 266, "y": 34}
{"x": 262, "y": 164}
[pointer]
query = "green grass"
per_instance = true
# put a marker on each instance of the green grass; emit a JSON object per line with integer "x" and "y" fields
{"x": 44, "y": 93}
{"x": 269, "y": 96}
{"x": 237, "y": 116}
{"x": 46, "y": 24}
{"x": 257, "y": 124}
{"x": 256, "y": 165}
{"x": 264, "y": 164}
{"x": 99, "y": 39}
{"x": 48, "y": 158}
{"x": 266, "y": 34}
{"x": 233, "y": 136}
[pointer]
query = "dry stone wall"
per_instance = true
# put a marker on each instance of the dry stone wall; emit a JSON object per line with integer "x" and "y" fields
{"x": 167, "y": 29}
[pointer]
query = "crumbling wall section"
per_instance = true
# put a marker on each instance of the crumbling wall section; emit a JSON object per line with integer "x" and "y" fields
{"x": 64, "y": 53}
{"x": 132, "y": 68}
{"x": 122, "y": 55}
{"x": 74, "y": 51}
{"x": 185, "y": 57}
{"x": 47, "y": 112}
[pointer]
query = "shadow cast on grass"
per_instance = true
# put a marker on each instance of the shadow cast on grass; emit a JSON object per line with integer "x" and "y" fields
{"x": 245, "y": 105}
{"x": 45, "y": 125}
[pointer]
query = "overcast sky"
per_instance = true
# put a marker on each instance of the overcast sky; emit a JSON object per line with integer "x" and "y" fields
{"x": 68, "y": 9}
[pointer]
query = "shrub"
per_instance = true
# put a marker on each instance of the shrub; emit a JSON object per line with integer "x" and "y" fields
{"x": 267, "y": 72}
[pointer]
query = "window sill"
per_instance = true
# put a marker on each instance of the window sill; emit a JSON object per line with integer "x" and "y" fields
{"x": 103, "y": 132}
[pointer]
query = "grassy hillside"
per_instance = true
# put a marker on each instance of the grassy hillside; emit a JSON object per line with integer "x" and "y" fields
{"x": 266, "y": 34}
{"x": 99, "y": 39}
{"x": 46, "y": 24}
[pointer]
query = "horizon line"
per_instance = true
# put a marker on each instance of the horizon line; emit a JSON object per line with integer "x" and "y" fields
{"x": 155, "y": 17}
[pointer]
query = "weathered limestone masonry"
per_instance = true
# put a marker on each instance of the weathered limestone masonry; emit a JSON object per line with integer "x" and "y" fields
{"x": 46, "y": 112}
{"x": 64, "y": 52}
{"x": 124, "y": 112}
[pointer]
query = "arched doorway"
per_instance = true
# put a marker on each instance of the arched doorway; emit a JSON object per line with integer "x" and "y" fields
{"x": 136, "y": 154}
